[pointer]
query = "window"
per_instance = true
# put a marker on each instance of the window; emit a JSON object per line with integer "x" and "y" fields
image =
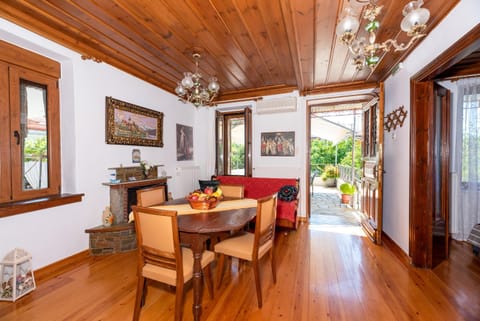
{"x": 233, "y": 137}
{"x": 471, "y": 135}
{"x": 30, "y": 172}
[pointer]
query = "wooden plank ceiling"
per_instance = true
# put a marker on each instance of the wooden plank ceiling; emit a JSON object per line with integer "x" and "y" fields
{"x": 253, "y": 47}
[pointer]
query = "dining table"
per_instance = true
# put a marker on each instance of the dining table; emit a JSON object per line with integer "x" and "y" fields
{"x": 197, "y": 226}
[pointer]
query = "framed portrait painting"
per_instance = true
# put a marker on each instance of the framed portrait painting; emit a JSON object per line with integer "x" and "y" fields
{"x": 184, "y": 142}
{"x": 128, "y": 124}
{"x": 278, "y": 144}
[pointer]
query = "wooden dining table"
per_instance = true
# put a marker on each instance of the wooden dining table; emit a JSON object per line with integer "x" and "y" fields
{"x": 196, "y": 227}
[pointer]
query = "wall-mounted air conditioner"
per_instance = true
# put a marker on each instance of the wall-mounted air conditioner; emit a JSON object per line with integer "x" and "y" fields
{"x": 277, "y": 105}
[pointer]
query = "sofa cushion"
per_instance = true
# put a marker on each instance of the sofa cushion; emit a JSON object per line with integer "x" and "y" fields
{"x": 287, "y": 193}
{"x": 258, "y": 187}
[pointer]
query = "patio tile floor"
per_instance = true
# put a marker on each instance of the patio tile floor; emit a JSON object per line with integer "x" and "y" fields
{"x": 326, "y": 208}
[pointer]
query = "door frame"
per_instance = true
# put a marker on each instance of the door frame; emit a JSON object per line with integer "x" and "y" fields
{"x": 421, "y": 142}
{"x": 367, "y": 94}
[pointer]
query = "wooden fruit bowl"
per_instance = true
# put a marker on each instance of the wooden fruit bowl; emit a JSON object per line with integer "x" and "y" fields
{"x": 203, "y": 205}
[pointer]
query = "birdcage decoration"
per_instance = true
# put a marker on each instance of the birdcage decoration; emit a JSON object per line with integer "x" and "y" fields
{"x": 16, "y": 275}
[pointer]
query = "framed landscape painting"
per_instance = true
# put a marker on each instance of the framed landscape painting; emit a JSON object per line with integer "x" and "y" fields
{"x": 128, "y": 124}
{"x": 278, "y": 144}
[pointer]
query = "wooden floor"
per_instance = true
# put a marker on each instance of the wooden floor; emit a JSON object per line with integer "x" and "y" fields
{"x": 324, "y": 273}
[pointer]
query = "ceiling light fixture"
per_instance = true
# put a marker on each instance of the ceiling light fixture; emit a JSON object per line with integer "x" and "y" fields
{"x": 365, "y": 53}
{"x": 191, "y": 90}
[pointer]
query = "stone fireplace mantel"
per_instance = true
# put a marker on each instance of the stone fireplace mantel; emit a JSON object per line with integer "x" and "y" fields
{"x": 119, "y": 195}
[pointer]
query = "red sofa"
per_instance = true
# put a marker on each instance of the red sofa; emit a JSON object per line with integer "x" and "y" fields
{"x": 258, "y": 187}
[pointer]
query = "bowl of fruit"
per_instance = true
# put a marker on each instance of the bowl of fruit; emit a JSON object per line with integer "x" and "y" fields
{"x": 204, "y": 200}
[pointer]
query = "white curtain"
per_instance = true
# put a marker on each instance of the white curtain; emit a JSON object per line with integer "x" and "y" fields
{"x": 466, "y": 162}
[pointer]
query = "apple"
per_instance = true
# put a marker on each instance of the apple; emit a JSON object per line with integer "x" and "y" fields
{"x": 194, "y": 197}
{"x": 208, "y": 190}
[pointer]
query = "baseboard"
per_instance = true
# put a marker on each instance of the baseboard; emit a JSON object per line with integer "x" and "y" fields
{"x": 59, "y": 267}
{"x": 302, "y": 219}
{"x": 395, "y": 249}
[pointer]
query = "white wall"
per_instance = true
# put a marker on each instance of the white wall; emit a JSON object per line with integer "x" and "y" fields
{"x": 397, "y": 93}
{"x": 53, "y": 234}
{"x": 270, "y": 166}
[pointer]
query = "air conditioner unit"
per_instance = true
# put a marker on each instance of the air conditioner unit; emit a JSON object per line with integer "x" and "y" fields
{"x": 278, "y": 105}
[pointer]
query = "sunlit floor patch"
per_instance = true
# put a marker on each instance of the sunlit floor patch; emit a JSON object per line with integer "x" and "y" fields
{"x": 339, "y": 229}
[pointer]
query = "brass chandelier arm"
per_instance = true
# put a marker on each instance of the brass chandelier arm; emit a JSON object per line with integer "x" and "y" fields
{"x": 387, "y": 45}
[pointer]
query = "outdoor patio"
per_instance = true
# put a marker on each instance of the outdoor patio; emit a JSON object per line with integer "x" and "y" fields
{"x": 326, "y": 209}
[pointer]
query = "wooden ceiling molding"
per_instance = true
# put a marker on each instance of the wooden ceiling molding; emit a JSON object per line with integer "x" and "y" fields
{"x": 253, "y": 47}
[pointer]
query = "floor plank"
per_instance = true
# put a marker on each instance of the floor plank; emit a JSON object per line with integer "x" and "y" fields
{"x": 324, "y": 272}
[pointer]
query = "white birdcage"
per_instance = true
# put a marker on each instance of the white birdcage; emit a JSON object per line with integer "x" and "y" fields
{"x": 16, "y": 275}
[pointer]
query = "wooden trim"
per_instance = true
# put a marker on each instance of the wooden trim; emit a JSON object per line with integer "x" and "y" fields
{"x": 5, "y": 136}
{"x": 421, "y": 173}
{"x": 12, "y": 208}
{"x": 26, "y": 59}
{"x": 113, "y": 228}
{"x": 456, "y": 52}
{"x": 57, "y": 268}
{"x": 351, "y": 86}
{"x": 254, "y": 93}
{"x": 393, "y": 247}
{"x": 421, "y": 145}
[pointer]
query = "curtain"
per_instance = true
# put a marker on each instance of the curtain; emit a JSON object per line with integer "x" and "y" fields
{"x": 465, "y": 162}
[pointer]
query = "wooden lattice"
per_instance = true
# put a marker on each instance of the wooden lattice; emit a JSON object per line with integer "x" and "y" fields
{"x": 395, "y": 119}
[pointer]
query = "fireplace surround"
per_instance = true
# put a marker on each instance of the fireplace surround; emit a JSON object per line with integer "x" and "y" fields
{"x": 120, "y": 237}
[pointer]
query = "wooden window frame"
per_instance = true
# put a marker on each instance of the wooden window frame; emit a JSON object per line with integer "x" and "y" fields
{"x": 246, "y": 113}
{"x": 15, "y": 64}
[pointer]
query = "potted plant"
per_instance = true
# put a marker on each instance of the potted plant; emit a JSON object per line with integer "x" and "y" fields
{"x": 347, "y": 190}
{"x": 329, "y": 175}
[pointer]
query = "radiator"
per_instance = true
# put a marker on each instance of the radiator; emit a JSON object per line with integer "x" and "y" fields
{"x": 186, "y": 180}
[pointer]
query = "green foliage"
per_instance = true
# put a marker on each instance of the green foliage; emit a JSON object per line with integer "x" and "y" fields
{"x": 330, "y": 171}
{"x": 347, "y": 188}
{"x": 237, "y": 156}
{"x": 323, "y": 153}
{"x": 34, "y": 148}
{"x": 347, "y": 160}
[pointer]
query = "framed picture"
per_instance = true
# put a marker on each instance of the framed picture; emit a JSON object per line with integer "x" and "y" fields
{"x": 128, "y": 124}
{"x": 184, "y": 142}
{"x": 278, "y": 144}
{"x": 136, "y": 156}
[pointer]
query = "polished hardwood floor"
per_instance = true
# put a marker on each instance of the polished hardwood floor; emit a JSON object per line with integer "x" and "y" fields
{"x": 324, "y": 272}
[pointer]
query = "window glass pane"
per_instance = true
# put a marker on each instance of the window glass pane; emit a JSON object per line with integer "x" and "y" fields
{"x": 220, "y": 151}
{"x": 34, "y": 142}
{"x": 236, "y": 146}
{"x": 471, "y": 144}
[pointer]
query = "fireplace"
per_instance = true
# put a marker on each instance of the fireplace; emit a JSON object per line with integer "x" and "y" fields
{"x": 120, "y": 237}
{"x": 124, "y": 194}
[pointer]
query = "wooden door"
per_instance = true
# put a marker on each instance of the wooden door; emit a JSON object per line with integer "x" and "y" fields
{"x": 441, "y": 182}
{"x": 370, "y": 192}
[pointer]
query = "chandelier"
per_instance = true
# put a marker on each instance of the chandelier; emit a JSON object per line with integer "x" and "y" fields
{"x": 366, "y": 53}
{"x": 191, "y": 90}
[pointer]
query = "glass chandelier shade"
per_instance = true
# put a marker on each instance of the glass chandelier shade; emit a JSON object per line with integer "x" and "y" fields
{"x": 190, "y": 88}
{"x": 366, "y": 52}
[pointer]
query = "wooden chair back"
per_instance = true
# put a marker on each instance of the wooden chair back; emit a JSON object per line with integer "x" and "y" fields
{"x": 265, "y": 221}
{"x": 151, "y": 196}
{"x": 232, "y": 190}
{"x": 158, "y": 239}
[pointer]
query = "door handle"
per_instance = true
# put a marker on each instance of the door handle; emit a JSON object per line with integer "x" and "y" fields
{"x": 16, "y": 134}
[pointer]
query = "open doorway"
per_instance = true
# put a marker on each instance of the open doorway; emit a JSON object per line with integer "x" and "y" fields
{"x": 335, "y": 160}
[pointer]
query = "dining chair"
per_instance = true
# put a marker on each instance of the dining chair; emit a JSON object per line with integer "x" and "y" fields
{"x": 151, "y": 196}
{"x": 252, "y": 246}
{"x": 160, "y": 257}
{"x": 232, "y": 190}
